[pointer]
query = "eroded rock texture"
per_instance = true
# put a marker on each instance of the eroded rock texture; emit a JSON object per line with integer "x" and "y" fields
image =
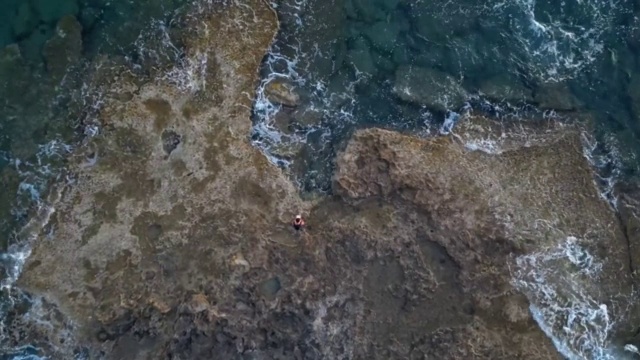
{"x": 176, "y": 243}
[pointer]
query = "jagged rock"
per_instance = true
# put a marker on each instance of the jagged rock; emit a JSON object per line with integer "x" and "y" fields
{"x": 479, "y": 210}
{"x": 428, "y": 87}
{"x": 279, "y": 91}
{"x": 199, "y": 303}
{"x": 64, "y": 48}
{"x": 170, "y": 141}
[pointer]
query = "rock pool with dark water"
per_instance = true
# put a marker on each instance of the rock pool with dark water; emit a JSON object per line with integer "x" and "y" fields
{"x": 468, "y": 171}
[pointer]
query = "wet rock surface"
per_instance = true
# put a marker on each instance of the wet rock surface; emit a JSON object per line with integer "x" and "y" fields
{"x": 193, "y": 256}
{"x": 428, "y": 87}
{"x": 279, "y": 91}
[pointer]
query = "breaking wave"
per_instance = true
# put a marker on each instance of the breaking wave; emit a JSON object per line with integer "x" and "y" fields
{"x": 556, "y": 40}
{"x": 559, "y": 283}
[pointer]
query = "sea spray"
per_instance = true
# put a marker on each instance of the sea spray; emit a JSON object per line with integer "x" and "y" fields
{"x": 560, "y": 283}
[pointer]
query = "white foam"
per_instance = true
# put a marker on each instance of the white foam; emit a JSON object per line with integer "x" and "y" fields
{"x": 555, "y": 46}
{"x": 559, "y": 283}
{"x": 484, "y": 145}
{"x": 606, "y": 159}
{"x": 190, "y": 74}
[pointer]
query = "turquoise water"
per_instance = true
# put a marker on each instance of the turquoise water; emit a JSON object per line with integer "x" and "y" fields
{"x": 415, "y": 66}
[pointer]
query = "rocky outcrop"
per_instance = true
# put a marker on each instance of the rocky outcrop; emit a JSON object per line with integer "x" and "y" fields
{"x": 491, "y": 210}
{"x": 428, "y": 87}
{"x": 177, "y": 242}
{"x": 279, "y": 91}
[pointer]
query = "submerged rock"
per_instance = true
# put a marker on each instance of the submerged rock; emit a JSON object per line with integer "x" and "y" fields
{"x": 279, "y": 91}
{"x": 14, "y": 75}
{"x": 307, "y": 117}
{"x": 383, "y": 35}
{"x": 23, "y": 21}
{"x": 360, "y": 58}
{"x": 505, "y": 88}
{"x": 64, "y": 48}
{"x": 556, "y": 96}
{"x": 428, "y": 87}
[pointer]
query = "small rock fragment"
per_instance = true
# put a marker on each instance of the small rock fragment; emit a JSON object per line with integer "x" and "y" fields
{"x": 170, "y": 141}
{"x": 160, "y": 305}
{"x": 280, "y": 92}
{"x": 239, "y": 260}
{"x": 199, "y": 303}
{"x": 428, "y": 87}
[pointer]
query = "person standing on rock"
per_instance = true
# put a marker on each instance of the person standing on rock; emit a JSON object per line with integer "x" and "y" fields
{"x": 298, "y": 222}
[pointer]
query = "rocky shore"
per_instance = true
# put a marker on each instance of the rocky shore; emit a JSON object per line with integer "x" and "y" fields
{"x": 176, "y": 243}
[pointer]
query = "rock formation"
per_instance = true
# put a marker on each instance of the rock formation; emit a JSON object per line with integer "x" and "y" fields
{"x": 177, "y": 244}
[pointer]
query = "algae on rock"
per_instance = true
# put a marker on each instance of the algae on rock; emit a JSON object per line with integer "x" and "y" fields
{"x": 187, "y": 251}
